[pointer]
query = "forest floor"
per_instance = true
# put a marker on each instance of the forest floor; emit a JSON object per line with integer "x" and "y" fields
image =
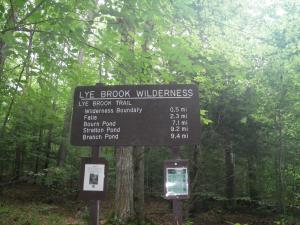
{"x": 24, "y": 205}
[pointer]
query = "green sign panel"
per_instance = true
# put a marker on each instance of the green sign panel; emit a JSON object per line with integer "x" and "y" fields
{"x": 177, "y": 181}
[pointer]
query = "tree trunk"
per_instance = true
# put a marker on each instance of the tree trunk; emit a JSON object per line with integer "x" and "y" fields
{"x": 48, "y": 148}
{"x": 124, "y": 155}
{"x": 10, "y": 22}
{"x": 251, "y": 148}
{"x": 280, "y": 168}
{"x": 138, "y": 189}
{"x": 195, "y": 171}
{"x": 18, "y": 160}
{"x": 2, "y": 59}
{"x": 20, "y": 143}
{"x": 124, "y": 184}
{"x": 252, "y": 178}
{"x": 230, "y": 178}
{"x": 63, "y": 147}
{"x": 49, "y": 139}
{"x": 38, "y": 150}
{"x": 24, "y": 67}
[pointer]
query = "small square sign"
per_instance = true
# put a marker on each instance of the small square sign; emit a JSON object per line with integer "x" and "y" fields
{"x": 93, "y": 179}
{"x": 176, "y": 179}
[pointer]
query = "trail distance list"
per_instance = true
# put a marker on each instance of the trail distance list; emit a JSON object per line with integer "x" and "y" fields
{"x": 135, "y": 115}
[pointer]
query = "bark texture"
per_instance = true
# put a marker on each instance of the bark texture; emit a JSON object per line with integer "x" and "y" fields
{"x": 230, "y": 178}
{"x": 63, "y": 147}
{"x": 139, "y": 175}
{"x": 124, "y": 184}
{"x": 195, "y": 175}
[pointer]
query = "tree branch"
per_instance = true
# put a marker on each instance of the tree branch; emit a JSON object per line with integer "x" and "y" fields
{"x": 32, "y": 11}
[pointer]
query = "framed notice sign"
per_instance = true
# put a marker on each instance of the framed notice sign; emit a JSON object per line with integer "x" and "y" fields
{"x": 176, "y": 179}
{"x": 136, "y": 115}
{"x": 93, "y": 178}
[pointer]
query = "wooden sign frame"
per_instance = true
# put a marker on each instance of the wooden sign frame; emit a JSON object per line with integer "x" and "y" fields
{"x": 89, "y": 194}
{"x": 176, "y": 164}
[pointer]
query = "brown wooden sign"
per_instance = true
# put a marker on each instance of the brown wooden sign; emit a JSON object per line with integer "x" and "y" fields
{"x": 176, "y": 177}
{"x": 93, "y": 179}
{"x": 136, "y": 115}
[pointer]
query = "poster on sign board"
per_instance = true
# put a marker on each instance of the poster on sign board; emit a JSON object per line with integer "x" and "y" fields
{"x": 177, "y": 181}
{"x": 93, "y": 177}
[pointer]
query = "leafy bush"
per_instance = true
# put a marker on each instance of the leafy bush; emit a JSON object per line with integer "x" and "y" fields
{"x": 33, "y": 214}
{"x": 287, "y": 220}
{"x": 60, "y": 182}
{"x": 189, "y": 222}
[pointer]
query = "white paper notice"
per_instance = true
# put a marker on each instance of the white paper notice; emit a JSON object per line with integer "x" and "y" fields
{"x": 93, "y": 177}
{"x": 177, "y": 181}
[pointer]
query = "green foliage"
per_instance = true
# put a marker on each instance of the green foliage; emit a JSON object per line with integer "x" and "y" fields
{"x": 286, "y": 220}
{"x": 282, "y": 221}
{"x": 61, "y": 182}
{"x": 30, "y": 214}
{"x": 189, "y": 222}
{"x": 113, "y": 220}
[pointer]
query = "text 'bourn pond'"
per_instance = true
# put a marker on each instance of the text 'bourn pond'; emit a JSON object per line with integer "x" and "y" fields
{"x": 135, "y": 115}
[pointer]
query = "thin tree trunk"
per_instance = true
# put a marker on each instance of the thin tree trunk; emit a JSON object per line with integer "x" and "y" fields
{"x": 28, "y": 57}
{"x": 252, "y": 150}
{"x": 10, "y": 22}
{"x": 230, "y": 177}
{"x": 280, "y": 168}
{"x": 138, "y": 191}
{"x": 195, "y": 175}
{"x": 252, "y": 178}
{"x": 18, "y": 160}
{"x": 124, "y": 184}
{"x": 25, "y": 67}
{"x": 49, "y": 139}
{"x": 63, "y": 147}
{"x": 20, "y": 145}
{"x": 48, "y": 148}
{"x": 38, "y": 150}
{"x": 1, "y": 171}
{"x": 2, "y": 58}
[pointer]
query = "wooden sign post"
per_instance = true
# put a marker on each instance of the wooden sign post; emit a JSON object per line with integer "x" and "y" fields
{"x": 94, "y": 205}
{"x": 176, "y": 182}
{"x": 93, "y": 182}
{"x": 177, "y": 205}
